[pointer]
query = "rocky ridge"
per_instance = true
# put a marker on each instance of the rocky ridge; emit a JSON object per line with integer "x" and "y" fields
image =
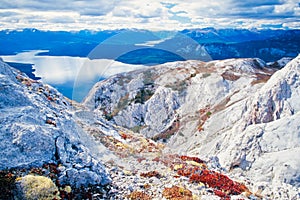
{"x": 240, "y": 115}
{"x": 183, "y": 130}
{"x": 46, "y": 135}
{"x": 38, "y": 128}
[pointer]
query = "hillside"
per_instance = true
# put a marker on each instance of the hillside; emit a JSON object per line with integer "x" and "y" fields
{"x": 225, "y": 129}
{"x": 240, "y": 115}
{"x": 39, "y": 135}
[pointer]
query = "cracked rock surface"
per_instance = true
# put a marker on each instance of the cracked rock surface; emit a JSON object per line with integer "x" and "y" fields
{"x": 37, "y": 128}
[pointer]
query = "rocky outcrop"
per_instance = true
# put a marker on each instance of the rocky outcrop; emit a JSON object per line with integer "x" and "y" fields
{"x": 280, "y": 63}
{"x": 239, "y": 114}
{"x": 134, "y": 100}
{"x": 37, "y": 127}
{"x": 152, "y": 100}
{"x": 258, "y": 137}
{"x": 278, "y": 97}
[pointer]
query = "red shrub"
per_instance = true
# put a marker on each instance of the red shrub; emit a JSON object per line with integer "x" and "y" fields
{"x": 188, "y": 158}
{"x": 221, "y": 194}
{"x": 188, "y": 171}
{"x": 219, "y": 181}
{"x": 151, "y": 174}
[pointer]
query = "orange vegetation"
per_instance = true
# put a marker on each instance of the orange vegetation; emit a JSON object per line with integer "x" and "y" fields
{"x": 177, "y": 193}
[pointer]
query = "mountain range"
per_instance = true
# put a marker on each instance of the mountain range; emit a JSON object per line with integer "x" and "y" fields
{"x": 130, "y": 46}
{"x": 222, "y": 129}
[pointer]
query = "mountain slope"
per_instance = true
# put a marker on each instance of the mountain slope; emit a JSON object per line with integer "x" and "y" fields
{"x": 153, "y": 99}
{"x": 264, "y": 142}
{"x": 239, "y": 114}
{"x": 237, "y": 120}
{"x": 38, "y": 128}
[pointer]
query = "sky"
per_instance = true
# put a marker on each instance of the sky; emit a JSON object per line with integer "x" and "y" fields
{"x": 148, "y": 14}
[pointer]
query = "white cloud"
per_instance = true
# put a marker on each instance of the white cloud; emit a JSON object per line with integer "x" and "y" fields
{"x": 147, "y": 14}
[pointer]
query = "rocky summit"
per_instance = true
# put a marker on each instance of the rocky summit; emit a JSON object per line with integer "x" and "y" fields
{"x": 225, "y": 129}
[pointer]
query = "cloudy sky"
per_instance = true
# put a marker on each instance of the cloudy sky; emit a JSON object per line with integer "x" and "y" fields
{"x": 148, "y": 14}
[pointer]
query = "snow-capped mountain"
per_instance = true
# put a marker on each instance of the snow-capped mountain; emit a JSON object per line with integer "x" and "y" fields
{"x": 240, "y": 114}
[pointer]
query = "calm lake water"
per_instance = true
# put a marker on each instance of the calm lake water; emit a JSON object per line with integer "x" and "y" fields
{"x": 72, "y": 76}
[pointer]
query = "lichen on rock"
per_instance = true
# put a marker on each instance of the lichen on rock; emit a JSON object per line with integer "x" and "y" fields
{"x": 32, "y": 187}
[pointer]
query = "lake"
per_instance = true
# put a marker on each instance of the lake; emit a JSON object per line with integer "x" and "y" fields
{"x": 72, "y": 76}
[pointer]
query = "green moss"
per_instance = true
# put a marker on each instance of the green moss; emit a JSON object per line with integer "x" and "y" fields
{"x": 148, "y": 78}
{"x": 137, "y": 129}
{"x": 123, "y": 80}
{"x": 122, "y": 104}
{"x": 108, "y": 116}
{"x": 181, "y": 134}
{"x": 179, "y": 86}
{"x": 165, "y": 135}
{"x": 143, "y": 95}
{"x": 208, "y": 114}
{"x": 205, "y": 75}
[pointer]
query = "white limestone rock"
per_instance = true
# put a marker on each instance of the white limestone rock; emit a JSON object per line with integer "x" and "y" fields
{"x": 265, "y": 149}
{"x": 278, "y": 97}
{"x": 38, "y": 127}
{"x": 248, "y": 125}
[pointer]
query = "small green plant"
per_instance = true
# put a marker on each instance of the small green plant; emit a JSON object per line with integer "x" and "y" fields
{"x": 123, "y": 80}
{"x": 148, "y": 78}
{"x": 181, "y": 134}
{"x": 205, "y": 75}
{"x": 208, "y": 114}
{"x": 143, "y": 95}
{"x": 122, "y": 104}
{"x": 179, "y": 86}
{"x": 136, "y": 129}
{"x": 108, "y": 116}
